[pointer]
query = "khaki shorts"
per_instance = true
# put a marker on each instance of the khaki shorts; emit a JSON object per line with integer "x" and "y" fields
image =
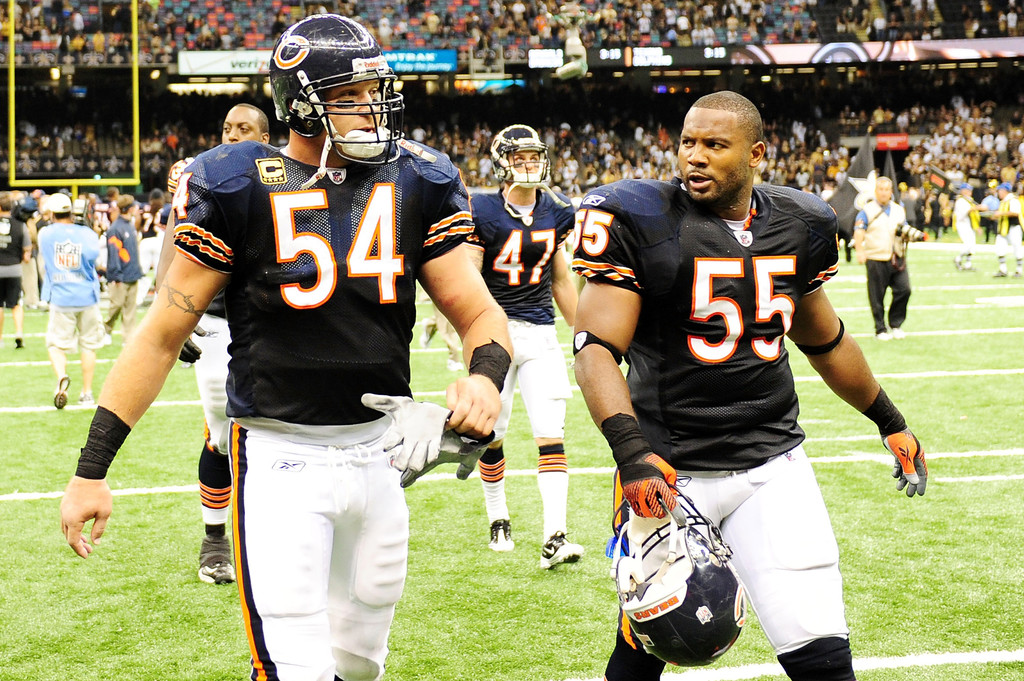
{"x": 64, "y": 327}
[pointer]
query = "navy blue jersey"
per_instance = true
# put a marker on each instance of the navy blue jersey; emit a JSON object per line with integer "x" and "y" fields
{"x": 321, "y": 302}
{"x": 517, "y": 256}
{"x": 709, "y": 375}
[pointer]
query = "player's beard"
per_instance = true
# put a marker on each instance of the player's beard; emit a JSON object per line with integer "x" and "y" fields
{"x": 726, "y": 194}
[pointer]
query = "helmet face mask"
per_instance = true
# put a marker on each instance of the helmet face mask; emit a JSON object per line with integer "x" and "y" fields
{"x": 689, "y": 608}
{"x": 316, "y": 57}
{"x": 520, "y": 138}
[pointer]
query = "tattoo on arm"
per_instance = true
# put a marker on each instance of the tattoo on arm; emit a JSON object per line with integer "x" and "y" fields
{"x": 180, "y": 300}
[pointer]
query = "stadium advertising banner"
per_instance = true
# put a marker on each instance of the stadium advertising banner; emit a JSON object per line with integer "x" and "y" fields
{"x": 805, "y": 53}
{"x": 223, "y": 63}
{"x": 254, "y": 62}
{"x": 892, "y": 141}
{"x": 423, "y": 61}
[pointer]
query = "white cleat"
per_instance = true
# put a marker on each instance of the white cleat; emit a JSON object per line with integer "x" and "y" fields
{"x": 557, "y": 549}
{"x": 501, "y": 536}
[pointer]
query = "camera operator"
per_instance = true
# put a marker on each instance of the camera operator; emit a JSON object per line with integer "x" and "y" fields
{"x": 880, "y": 237}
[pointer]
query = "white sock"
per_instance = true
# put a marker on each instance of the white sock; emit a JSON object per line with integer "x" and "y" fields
{"x": 554, "y": 494}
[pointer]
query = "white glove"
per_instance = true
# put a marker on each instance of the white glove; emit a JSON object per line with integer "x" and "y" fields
{"x": 417, "y": 439}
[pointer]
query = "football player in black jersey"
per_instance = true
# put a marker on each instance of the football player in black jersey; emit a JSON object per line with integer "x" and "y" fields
{"x": 318, "y": 247}
{"x": 696, "y": 282}
{"x": 207, "y": 351}
{"x": 517, "y": 242}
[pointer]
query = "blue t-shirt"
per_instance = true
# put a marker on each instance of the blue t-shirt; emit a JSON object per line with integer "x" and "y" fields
{"x": 69, "y": 253}
{"x": 123, "y": 252}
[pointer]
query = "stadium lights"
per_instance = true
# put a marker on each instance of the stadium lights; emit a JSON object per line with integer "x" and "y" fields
{"x": 766, "y": 78}
{"x": 54, "y": 73}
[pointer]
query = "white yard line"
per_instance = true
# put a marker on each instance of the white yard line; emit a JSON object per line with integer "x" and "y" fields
{"x": 967, "y": 373}
{"x": 755, "y": 671}
{"x": 861, "y": 457}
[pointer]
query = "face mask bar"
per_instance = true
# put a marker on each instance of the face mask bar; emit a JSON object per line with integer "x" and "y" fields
{"x": 359, "y": 146}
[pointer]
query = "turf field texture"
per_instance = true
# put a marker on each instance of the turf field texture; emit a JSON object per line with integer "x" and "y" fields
{"x": 933, "y": 584}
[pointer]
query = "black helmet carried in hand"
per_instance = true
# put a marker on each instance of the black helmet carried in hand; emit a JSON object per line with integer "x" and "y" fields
{"x": 689, "y": 609}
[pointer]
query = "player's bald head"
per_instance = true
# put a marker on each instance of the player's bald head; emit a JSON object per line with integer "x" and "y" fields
{"x": 257, "y": 114}
{"x": 746, "y": 112}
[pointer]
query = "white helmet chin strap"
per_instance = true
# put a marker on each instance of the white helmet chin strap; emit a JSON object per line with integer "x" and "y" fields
{"x": 531, "y": 185}
{"x": 355, "y": 146}
{"x": 318, "y": 108}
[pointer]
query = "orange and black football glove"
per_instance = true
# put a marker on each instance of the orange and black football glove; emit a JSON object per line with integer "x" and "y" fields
{"x": 648, "y": 481}
{"x": 910, "y": 468}
{"x": 649, "y": 486}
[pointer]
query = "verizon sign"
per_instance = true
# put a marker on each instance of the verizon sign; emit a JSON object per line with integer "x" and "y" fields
{"x": 224, "y": 63}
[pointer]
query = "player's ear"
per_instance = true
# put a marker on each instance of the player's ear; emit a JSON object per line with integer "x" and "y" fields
{"x": 757, "y": 153}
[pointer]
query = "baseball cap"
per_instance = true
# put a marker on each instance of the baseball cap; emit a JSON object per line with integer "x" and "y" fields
{"x": 58, "y": 204}
{"x": 964, "y": 185}
{"x": 1006, "y": 185}
{"x": 125, "y": 201}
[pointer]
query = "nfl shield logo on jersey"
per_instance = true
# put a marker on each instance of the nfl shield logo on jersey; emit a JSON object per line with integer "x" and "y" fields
{"x": 745, "y": 238}
{"x": 68, "y": 255}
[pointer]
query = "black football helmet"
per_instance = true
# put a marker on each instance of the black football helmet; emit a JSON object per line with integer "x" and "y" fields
{"x": 322, "y": 52}
{"x": 519, "y": 138}
{"x": 691, "y": 608}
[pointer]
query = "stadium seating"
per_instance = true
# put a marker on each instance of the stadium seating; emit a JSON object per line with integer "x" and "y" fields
{"x": 791, "y": 21}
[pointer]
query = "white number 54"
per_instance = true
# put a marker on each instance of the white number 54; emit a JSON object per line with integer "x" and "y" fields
{"x": 376, "y": 228}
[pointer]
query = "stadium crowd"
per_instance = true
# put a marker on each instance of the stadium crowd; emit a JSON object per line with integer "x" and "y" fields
{"x": 77, "y": 29}
{"x": 951, "y": 120}
{"x": 965, "y": 141}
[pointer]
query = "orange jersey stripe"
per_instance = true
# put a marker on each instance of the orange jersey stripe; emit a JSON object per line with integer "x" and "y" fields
{"x": 205, "y": 235}
{"x": 454, "y": 231}
{"x": 441, "y": 224}
{"x": 827, "y": 274}
{"x": 184, "y": 238}
{"x": 589, "y": 269}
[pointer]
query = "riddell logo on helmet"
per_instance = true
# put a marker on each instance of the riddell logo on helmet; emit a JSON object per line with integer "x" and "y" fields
{"x": 362, "y": 65}
{"x": 656, "y": 610}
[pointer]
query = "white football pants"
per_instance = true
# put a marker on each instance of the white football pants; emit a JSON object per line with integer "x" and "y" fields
{"x": 211, "y": 377}
{"x": 321, "y": 547}
{"x": 539, "y": 366}
{"x": 774, "y": 519}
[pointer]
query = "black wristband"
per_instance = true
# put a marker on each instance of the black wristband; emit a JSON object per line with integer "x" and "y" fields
{"x": 825, "y": 348}
{"x": 106, "y": 435}
{"x": 491, "y": 360}
{"x": 625, "y": 438}
{"x": 885, "y": 415}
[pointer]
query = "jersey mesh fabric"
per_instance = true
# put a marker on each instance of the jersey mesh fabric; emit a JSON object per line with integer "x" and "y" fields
{"x": 663, "y": 245}
{"x": 310, "y": 363}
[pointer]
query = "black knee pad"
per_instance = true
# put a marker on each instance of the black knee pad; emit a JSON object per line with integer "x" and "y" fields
{"x": 824, "y": 659}
{"x": 632, "y": 664}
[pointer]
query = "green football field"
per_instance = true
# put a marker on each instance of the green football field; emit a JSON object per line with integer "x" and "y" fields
{"x": 933, "y": 584}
